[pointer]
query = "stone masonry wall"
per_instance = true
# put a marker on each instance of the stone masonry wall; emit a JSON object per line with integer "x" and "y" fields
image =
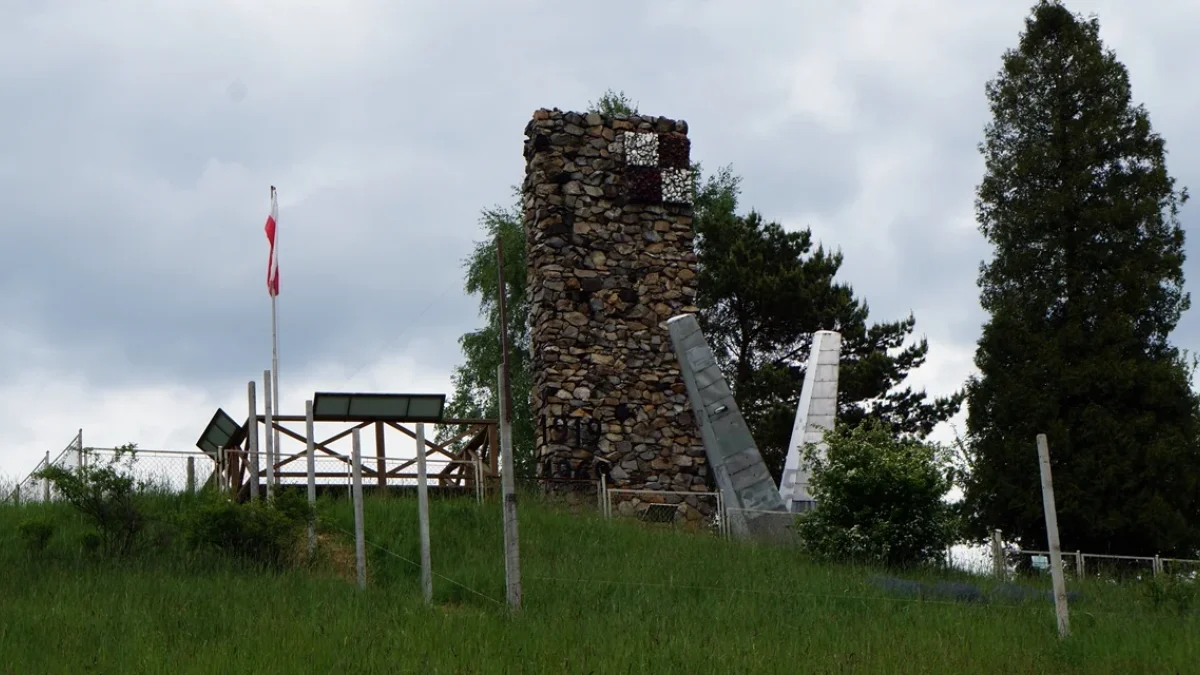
{"x": 607, "y": 207}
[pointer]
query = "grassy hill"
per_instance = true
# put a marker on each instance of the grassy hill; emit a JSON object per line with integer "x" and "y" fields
{"x": 600, "y": 597}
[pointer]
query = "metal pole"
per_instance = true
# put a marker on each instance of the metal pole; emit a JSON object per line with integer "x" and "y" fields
{"x": 1056, "y": 569}
{"x": 46, "y": 481}
{"x": 360, "y": 547}
{"x": 512, "y": 547}
{"x": 252, "y": 439}
{"x": 997, "y": 555}
{"x": 312, "y": 476}
{"x": 423, "y": 516}
{"x": 79, "y": 438}
{"x": 269, "y": 436}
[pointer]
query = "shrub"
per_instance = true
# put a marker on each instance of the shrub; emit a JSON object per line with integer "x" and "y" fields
{"x": 1171, "y": 592}
{"x": 35, "y": 534}
{"x": 90, "y": 541}
{"x": 108, "y": 495}
{"x": 880, "y": 499}
{"x": 258, "y": 532}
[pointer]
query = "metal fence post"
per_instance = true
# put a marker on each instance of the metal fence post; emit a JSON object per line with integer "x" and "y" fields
{"x": 46, "y": 482}
{"x": 191, "y": 475}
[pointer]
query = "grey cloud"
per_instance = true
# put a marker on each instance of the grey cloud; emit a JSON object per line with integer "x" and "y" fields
{"x": 133, "y": 186}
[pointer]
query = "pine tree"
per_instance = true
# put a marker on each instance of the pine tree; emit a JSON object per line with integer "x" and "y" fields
{"x": 763, "y": 292}
{"x": 1084, "y": 288}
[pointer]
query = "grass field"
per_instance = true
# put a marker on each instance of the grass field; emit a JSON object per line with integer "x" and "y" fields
{"x": 599, "y": 597}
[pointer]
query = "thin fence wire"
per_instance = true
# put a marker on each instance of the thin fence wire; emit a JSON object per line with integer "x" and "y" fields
{"x": 179, "y": 471}
{"x": 415, "y": 564}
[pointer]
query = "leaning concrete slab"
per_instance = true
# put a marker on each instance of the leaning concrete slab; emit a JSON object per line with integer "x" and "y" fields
{"x": 751, "y": 499}
{"x": 815, "y": 415}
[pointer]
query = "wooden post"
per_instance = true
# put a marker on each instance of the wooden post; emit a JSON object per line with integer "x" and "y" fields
{"x": 380, "y": 463}
{"x": 81, "y": 454}
{"x": 508, "y": 486}
{"x": 998, "y": 566}
{"x": 312, "y": 476}
{"x": 512, "y": 547}
{"x": 1157, "y": 565}
{"x": 360, "y": 546}
{"x": 602, "y": 487}
{"x": 1056, "y": 568}
{"x": 1078, "y": 564}
{"x": 423, "y": 516}
{"x": 269, "y": 435}
{"x": 191, "y": 475}
{"x": 252, "y": 439}
{"x": 46, "y": 481}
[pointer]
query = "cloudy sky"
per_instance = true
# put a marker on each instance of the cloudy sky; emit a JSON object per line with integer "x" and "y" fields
{"x": 139, "y": 140}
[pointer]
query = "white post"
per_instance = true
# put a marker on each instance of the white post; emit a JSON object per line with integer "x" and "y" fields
{"x": 478, "y": 480}
{"x": 269, "y": 436}
{"x": 423, "y": 516}
{"x": 1056, "y": 568}
{"x": 360, "y": 547}
{"x": 512, "y": 547}
{"x": 312, "y": 476}
{"x": 997, "y": 555}
{"x": 252, "y": 439}
{"x": 1157, "y": 565}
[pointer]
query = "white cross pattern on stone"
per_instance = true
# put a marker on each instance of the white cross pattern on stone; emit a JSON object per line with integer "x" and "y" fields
{"x": 674, "y": 185}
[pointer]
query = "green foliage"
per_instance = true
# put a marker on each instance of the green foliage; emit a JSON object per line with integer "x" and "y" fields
{"x": 763, "y": 292}
{"x": 1084, "y": 288}
{"x": 35, "y": 534}
{"x": 1171, "y": 592}
{"x": 475, "y": 385}
{"x": 261, "y": 532}
{"x": 613, "y": 103}
{"x": 91, "y": 541}
{"x": 880, "y": 499}
{"x": 599, "y": 597}
{"x": 108, "y": 495}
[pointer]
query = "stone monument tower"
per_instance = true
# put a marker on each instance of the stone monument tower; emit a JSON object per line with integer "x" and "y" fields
{"x": 608, "y": 215}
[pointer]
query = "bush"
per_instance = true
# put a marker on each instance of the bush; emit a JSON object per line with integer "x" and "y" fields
{"x": 35, "y": 534}
{"x": 1171, "y": 592}
{"x": 107, "y": 495}
{"x": 258, "y": 532}
{"x": 880, "y": 499}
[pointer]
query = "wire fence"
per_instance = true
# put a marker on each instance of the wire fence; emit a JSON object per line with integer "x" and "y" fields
{"x": 175, "y": 471}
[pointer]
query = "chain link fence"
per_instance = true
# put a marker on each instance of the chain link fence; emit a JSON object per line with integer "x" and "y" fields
{"x": 170, "y": 471}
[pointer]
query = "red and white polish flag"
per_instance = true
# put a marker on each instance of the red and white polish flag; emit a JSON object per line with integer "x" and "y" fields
{"x": 273, "y": 261}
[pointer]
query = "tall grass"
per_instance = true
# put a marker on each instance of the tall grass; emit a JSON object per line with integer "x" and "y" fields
{"x": 599, "y": 597}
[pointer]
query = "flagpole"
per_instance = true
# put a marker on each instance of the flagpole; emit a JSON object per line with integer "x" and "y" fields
{"x": 275, "y": 374}
{"x": 273, "y": 286}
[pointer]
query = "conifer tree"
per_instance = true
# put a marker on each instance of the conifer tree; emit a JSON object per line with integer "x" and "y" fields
{"x": 1084, "y": 289}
